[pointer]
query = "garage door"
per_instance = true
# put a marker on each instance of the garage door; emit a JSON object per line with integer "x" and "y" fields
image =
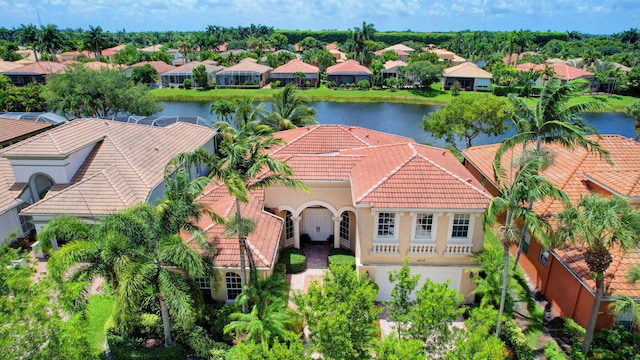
{"x": 436, "y": 274}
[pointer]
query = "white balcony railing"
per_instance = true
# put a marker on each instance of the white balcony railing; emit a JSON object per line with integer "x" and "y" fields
{"x": 423, "y": 249}
{"x": 459, "y": 249}
{"x": 385, "y": 248}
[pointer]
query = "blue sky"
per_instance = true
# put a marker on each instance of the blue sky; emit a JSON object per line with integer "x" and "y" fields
{"x": 587, "y": 16}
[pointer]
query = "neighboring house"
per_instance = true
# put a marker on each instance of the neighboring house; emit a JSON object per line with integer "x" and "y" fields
{"x": 562, "y": 71}
{"x": 89, "y": 168}
{"x": 348, "y": 72}
{"x": 401, "y": 50}
{"x": 515, "y": 57}
{"x": 446, "y": 55}
{"x": 110, "y": 53}
{"x": 98, "y": 65}
{"x": 285, "y": 73}
{"x": 175, "y": 54}
{"x": 177, "y": 75}
{"x": 36, "y": 72}
{"x": 14, "y": 130}
{"x": 469, "y": 75}
{"x": 47, "y": 117}
{"x": 562, "y": 275}
{"x": 246, "y": 73}
{"x": 391, "y": 68}
{"x": 73, "y": 55}
{"x": 382, "y": 196}
{"x": 160, "y": 66}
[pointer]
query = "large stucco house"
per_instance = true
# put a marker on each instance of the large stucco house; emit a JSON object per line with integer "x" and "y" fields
{"x": 89, "y": 168}
{"x": 562, "y": 275}
{"x": 383, "y": 196}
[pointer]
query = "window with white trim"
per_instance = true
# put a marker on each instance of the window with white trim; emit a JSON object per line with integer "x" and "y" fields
{"x": 234, "y": 285}
{"x": 26, "y": 222}
{"x": 288, "y": 226}
{"x": 203, "y": 283}
{"x": 424, "y": 226}
{"x": 386, "y": 225}
{"x": 460, "y": 226}
{"x": 344, "y": 226}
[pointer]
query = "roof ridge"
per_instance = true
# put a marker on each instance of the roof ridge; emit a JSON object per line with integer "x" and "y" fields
{"x": 569, "y": 177}
{"x": 129, "y": 162}
{"x": 303, "y": 134}
{"x": 344, "y": 128}
{"x": 456, "y": 176}
{"x": 255, "y": 250}
{"x": 115, "y": 188}
{"x": 385, "y": 178}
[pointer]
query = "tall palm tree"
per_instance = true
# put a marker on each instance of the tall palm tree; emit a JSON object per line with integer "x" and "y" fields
{"x": 599, "y": 224}
{"x": 28, "y": 35}
{"x": 223, "y": 109}
{"x": 262, "y": 292}
{"x": 289, "y": 110}
{"x": 633, "y": 111}
{"x": 552, "y": 120}
{"x": 95, "y": 39}
{"x": 243, "y": 163}
{"x": 50, "y": 40}
{"x": 527, "y": 185}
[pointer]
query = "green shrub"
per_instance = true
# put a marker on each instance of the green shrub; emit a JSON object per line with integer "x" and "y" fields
{"x": 616, "y": 343}
{"x": 132, "y": 349}
{"x": 281, "y": 269}
{"x": 275, "y": 84}
{"x": 505, "y": 90}
{"x": 364, "y": 84}
{"x": 573, "y": 332}
{"x": 331, "y": 84}
{"x": 186, "y": 84}
{"x": 553, "y": 352}
{"x": 294, "y": 260}
{"x": 516, "y": 340}
{"x": 342, "y": 257}
{"x": 198, "y": 340}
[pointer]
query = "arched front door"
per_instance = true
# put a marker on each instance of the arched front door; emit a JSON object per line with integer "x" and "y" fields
{"x": 318, "y": 223}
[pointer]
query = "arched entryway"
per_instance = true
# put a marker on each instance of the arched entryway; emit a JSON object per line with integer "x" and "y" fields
{"x": 317, "y": 224}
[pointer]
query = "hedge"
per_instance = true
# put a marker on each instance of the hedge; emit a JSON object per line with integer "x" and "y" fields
{"x": 342, "y": 257}
{"x": 294, "y": 259}
{"x": 125, "y": 350}
{"x": 516, "y": 341}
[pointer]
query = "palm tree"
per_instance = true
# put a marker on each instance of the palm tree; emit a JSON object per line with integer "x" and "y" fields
{"x": 514, "y": 197}
{"x": 634, "y": 274}
{"x": 552, "y": 120}
{"x": 246, "y": 115}
{"x": 264, "y": 327}
{"x": 633, "y": 111}
{"x": 28, "y": 35}
{"x": 289, "y": 110}
{"x": 599, "y": 224}
{"x": 50, "y": 40}
{"x": 223, "y": 109}
{"x": 243, "y": 164}
{"x": 95, "y": 39}
{"x": 262, "y": 292}
{"x": 523, "y": 39}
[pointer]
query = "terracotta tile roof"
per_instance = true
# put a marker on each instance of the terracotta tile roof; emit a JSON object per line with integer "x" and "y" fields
{"x": 399, "y": 47}
{"x": 39, "y": 68}
{"x": 160, "y": 66}
{"x": 8, "y": 65}
{"x": 126, "y": 162}
{"x": 467, "y": 69}
{"x": 97, "y": 65}
{"x": 9, "y": 191}
{"x": 393, "y": 64}
{"x": 562, "y": 71}
{"x": 152, "y": 48}
{"x": 332, "y": 46}
{"x": 324, "y": 139}
{"x": 247, "y": 66}
{"x": 13, "y": 128}
{"x": 296, "y": 65}
{"x": 389, "y": 175}
{"x": 349, "y": 67}
{"x": 576, "y": 172}
{"x": 334, "y": 167}
{"x": 443, "y": 54}
{"x": 263, "y": 242}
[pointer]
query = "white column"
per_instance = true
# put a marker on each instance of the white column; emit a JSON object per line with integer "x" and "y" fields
{"x": 296, "y": 231}
{"x": 336, "y": 231}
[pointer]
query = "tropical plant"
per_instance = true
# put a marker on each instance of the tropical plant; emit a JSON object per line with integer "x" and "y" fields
{"x": 515, "y": 194}
{"x": 144, "y": 74}
{"x": 28, "y": 35}
{"x": 552, "y": 120}
{"x": 200, "y": 76}
{"x": 289, "y": 110}
{"x": 50, "y": 40}
{"x": 633, "y": 111}
{"x": 601, "y": 225}
{"x": 224, "y": 110}
{"x": 262, "y": 292}
{"x": 95, "y": 39}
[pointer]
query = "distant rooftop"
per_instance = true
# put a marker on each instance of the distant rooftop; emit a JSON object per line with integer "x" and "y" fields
{"x": 161, "y": 121}
{"x": 48, "y": 117}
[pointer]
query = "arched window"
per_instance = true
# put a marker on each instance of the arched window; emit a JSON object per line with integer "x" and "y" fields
{"x": 344, "y": 226}
{"x": 234, "y": 285}
{"x": 40, "y": 185}
{"x": 288, "y": 226}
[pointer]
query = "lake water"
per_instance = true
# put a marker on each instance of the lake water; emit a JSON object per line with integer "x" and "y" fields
{"x": 399, "y": 119}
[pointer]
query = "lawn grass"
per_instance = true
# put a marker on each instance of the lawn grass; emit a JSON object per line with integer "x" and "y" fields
{"x": 98, "y": 311}
{"x": 436, "y": 96}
